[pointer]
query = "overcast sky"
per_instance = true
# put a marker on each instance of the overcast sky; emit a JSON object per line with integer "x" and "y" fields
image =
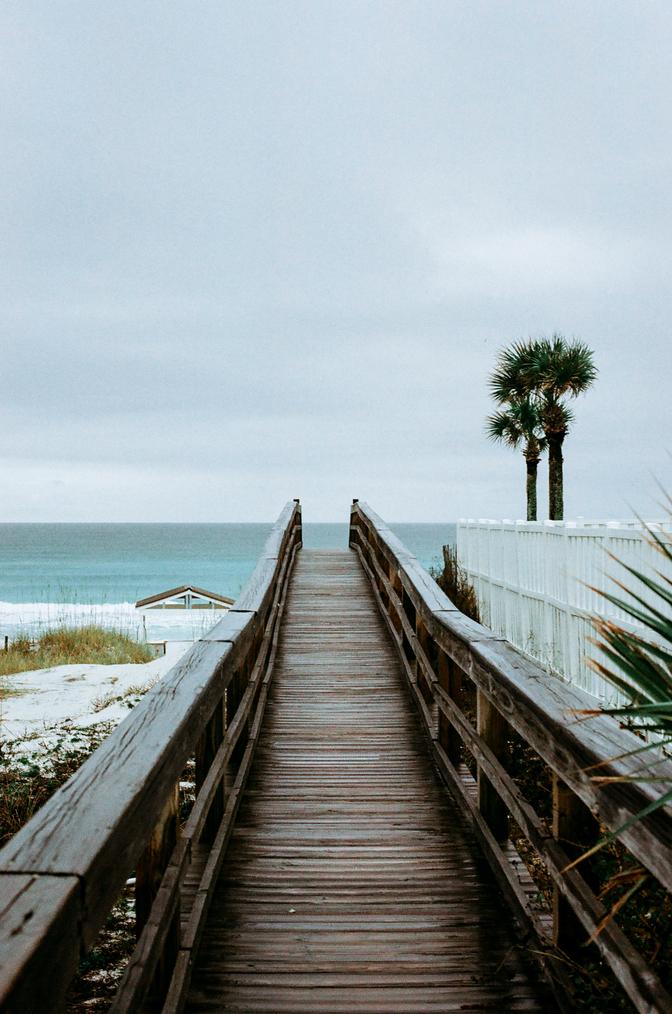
{"x": 259, "y": 250}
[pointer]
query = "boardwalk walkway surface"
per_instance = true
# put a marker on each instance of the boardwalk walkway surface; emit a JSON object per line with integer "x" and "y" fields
{"x": 351, "y": 883}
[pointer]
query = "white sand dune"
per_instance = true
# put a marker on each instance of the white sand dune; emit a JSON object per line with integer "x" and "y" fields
{"x": 49, "y": 701}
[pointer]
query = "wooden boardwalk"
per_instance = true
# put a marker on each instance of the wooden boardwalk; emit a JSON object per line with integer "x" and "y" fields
{"x": 323, "y": 867}
{"x": 351, "y": 883}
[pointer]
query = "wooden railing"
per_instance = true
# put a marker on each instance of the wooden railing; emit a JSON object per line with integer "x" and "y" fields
{"x": 62, "y": 873}
{"x": 481, "y": 701}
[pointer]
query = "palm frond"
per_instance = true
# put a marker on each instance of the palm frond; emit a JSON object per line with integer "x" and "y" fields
{"x": 502, "y": 427}
{"x": 511, "y": 378}
{"x": 541, "y": 373}
{"x": 563, "y": 366}
{"x": 613, "y": 835}
{"x": 518, "y": 422}
{"x": 639, "y": 666}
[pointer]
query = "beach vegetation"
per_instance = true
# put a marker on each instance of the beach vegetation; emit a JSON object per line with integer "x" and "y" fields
{"x": 639, "y": 666}
{"x": 29, "y": 774}
{"x": 548, "y": 372}
{"x": 129, "y": 696}
{"x": 29, "y": 777}
{"x": 27, "y": 780}
{"x": 72, "y": 645}
{"x": 454, "y": 581}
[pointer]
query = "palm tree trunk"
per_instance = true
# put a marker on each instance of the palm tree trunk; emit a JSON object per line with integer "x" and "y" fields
{"x": 555, "y": 478}
{"x": 531, "y": 463}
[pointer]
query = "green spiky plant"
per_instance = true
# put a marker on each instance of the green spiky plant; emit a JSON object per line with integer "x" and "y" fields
{"x": 515, "y": 424}
{"x": 640, "y": 667}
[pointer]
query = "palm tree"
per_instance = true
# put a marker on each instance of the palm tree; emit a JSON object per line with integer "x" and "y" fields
{"x": 559, "y": 367}
{"x": 547, "y": 370}
{"x": 518, "y": 424}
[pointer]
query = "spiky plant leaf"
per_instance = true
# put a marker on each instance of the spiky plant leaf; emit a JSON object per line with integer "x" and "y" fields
{"x": 518, "y": 423}
{"x": 640, "y": 667}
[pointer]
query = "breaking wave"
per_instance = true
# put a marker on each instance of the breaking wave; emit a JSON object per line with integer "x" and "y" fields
{"x": 33, "y": 618}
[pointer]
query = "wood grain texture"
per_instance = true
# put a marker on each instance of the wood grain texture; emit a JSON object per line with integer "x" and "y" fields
{"x": 540, "y": 708}
{"x": 36, "y": 911}
{"x": 186, "y": 888}
{"x": 517, "y": 690}
{"x": 351, "y": 882}
{"x": 115, "y": 813}
{"x": 77, "y": 851}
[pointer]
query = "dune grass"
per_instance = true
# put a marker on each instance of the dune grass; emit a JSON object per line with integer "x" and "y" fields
{"x": 454, "y": 581}
{"x": 72, "y": 645}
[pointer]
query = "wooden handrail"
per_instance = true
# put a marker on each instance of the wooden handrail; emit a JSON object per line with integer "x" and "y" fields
{"x": 62, "y": 872}
{"x": 443, "y": 652}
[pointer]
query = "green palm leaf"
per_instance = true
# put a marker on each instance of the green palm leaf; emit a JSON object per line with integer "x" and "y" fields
{"x": 640, "y": 668}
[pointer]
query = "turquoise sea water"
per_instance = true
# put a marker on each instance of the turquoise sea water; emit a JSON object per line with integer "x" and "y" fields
{"x": 93, "y": 563}
{"x": 107, "y": 564}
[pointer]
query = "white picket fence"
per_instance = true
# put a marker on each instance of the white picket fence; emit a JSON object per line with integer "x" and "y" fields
{"x": 535, "y": 583}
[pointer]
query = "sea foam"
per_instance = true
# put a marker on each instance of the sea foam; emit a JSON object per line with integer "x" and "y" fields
{"x": 34, "y": 618}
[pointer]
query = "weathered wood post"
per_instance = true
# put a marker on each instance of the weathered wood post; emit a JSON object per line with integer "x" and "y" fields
{"x": 352, "y": 534}
{"x": 378, "y": 574}
{"x": 450, "y": 678}
{"x": 206, "y": 748}
{"x": 409, "y": 610}
{"x": 426, "y": 643}
{"x": 493, "y": 730}
{"x": 234, "y": 696}
{"x": 299, "y": 522}
{"x": 395, "y": 581}
{"x": 575, "y": 828}
{"x": 149, "y": 872}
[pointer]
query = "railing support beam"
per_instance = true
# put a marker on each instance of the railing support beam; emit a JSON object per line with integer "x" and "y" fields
{"x": 148, "y": 876}
{"x": 575, "y": 829}
{"x": 450, "y": 678}
{"x": 492, "y": 728}
{"x": 206, "y": 748}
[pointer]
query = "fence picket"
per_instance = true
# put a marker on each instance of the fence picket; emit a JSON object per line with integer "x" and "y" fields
{"x": 539, "y": 583}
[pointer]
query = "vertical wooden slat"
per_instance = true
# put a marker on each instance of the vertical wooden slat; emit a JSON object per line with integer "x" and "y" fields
{"x": 206, "y": 748}
{"x": 575, "y": 829}
{"x": 240, "y": 682}
{"x": 381, "y": 566}
{"x": 395, "y": 601}
{"x": 450, "y": 678}
{"x": 426, "y": 643}
{"x": 353, "y": 534}
{"x": 297, "y": 527}
{"x": 154, "y": 859}
{"x": 148, "y": 873}
{"x": 409, "y": 609}
{"x": 493, "y": 729}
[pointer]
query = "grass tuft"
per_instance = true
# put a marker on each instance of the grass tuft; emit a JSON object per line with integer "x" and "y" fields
{"x": 71, "y": 646}
{"x": 454, "y": 581}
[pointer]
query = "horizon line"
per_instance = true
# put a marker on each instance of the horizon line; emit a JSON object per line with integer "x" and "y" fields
{"x": 267, "y": 522}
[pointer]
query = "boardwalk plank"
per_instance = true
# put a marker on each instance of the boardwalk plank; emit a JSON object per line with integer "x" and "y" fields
{"x": 351, "y": 883}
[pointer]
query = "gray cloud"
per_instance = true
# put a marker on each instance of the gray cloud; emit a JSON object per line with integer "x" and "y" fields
{"x": 258, "y": 250}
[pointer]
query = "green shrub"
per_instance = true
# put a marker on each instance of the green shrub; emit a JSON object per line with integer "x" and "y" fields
{"x": 454, "y": 581}
{"x": 72, "y": 645}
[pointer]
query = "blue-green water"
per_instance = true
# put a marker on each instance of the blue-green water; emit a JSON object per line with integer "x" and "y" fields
{"x": 122, "y": 563}
{"x": 99, "y": 570}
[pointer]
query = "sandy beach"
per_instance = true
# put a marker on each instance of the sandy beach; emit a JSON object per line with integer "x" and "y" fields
{"x": 45, "y": 703}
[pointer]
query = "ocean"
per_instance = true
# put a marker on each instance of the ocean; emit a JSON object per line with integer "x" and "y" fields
{"x": 76, "y": 573}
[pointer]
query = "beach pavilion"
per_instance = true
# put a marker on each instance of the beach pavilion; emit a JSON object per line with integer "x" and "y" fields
{"x": 185, "y": 597}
